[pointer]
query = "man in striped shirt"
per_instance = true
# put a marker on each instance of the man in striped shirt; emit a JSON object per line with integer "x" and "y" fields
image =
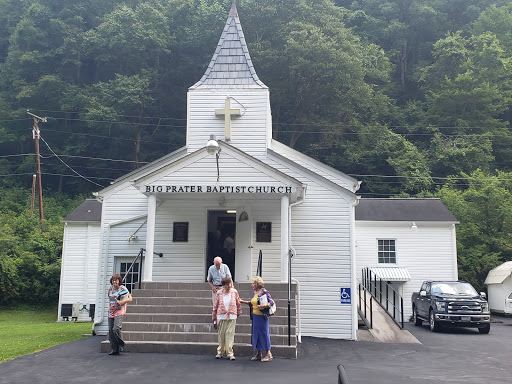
{"x": 216, "y": 273}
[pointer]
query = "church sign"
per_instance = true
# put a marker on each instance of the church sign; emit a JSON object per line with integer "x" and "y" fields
{"x": 269, "y": 189}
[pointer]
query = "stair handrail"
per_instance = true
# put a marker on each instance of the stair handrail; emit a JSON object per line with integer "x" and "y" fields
{"x": 259, "y": 268}
{"x": 374, "y": 285}
{"x": 290, "y": 255}
{"x": 140, "y": 254}
{"x": 139, "y": 273}
{"x": 297, "y": 309}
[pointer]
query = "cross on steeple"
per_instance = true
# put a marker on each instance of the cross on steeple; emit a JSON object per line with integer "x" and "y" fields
{"x": 227, "y": 112}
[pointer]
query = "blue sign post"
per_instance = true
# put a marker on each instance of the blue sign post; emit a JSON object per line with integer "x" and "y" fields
{"x": 345, "y": 296}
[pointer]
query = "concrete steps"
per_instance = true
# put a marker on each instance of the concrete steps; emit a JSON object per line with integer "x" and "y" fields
{"x": 176, "y": 318}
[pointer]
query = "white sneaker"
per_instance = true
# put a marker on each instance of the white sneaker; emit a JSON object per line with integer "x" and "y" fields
{"x": 232, "y": 357}
{"x": 218, "y": 356}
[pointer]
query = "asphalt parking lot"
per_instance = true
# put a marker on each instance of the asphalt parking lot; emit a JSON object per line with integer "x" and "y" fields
{"x": 451, "y": 356}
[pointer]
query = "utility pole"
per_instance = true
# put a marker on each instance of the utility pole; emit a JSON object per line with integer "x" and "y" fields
{"x": 33, "y": 194}
{"x": 36, "y": 136}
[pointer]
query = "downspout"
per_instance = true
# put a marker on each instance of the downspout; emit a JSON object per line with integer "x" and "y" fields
{"x": 62, "y": 268}
{"x": 353, "y": 282}
{"x": 102, "y": 277}
{"x": 100, "y": 295}
{"x": 290, "y": 279}
{"x": 454, "y": 253}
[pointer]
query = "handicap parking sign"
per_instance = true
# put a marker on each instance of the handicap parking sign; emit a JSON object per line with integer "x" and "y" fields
{"x": 345, "y": 295}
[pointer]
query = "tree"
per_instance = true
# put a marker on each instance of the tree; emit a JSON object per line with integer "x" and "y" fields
{"x": 483, "y": 205}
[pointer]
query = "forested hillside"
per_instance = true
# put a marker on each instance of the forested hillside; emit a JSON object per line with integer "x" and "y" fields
{"x": 412, "y": 97}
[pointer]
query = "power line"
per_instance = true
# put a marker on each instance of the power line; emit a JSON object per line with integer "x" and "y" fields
{"x": 17, "y": 155}
{"x": 99, "y": 158}
{"x": 432, "y": 177}
{"x": 396, "y": 133}
{"x": 85, "y": 178}
{"x": 108, "y": 137}
{"x": 118, "y": 115}
{"x": 118, "y": 122}
{"x": 20, "y": 119}
{"x": 54, "y": 174}
{"x": 342, "y": 125}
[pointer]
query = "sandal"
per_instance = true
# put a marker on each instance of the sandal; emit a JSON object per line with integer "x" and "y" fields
{"x": 267, "y": 358}
{"x": 257, "y": 356}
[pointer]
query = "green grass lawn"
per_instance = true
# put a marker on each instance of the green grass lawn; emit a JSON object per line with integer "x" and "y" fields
{"x": 28, "y": 330}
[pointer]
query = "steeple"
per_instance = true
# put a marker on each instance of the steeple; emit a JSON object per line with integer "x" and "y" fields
{"x": 231, "y": 65}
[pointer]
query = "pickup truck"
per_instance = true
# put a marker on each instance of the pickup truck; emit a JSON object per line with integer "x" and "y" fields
{"x": 451, "y": 304}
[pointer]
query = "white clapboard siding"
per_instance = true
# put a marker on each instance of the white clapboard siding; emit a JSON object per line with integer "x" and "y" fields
{"x": 122, "y": 209}
{"x": 265, "y": 211}
{"x": 79, "y": 267}
{"x": 428, "y": 253}
{"x": 250, "y": 132}
{"x": 323, "y": 263}
{"x": 232, "y": 173}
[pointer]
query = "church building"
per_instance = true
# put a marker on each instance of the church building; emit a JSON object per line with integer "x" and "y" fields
{"x": 235, "y": 192}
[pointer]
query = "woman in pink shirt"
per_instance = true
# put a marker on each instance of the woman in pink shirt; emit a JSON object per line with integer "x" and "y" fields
{"x": 118, "y": 296}
{"x": 226, "y": 309}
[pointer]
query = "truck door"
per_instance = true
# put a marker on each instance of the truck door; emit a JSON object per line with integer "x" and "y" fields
{"x": 424, "y": 301}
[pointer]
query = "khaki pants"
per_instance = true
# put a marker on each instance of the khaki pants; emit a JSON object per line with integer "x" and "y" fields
{"x": 226, "y": 330}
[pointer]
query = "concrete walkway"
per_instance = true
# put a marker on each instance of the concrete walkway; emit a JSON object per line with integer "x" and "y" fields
{"x": 461, "y": 356}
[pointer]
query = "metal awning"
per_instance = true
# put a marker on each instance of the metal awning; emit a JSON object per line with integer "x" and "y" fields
{"x": 391, "y": 273}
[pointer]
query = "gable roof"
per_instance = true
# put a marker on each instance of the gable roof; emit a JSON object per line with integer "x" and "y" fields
{"x": 403, "y": 210}
{"x": 89, "y": 210}
{"x": 156, "y": 164}
{"x": 177, "y": 172}
{"x": 315, "y": 166}
{"x": 499, "y": 274}
{"x": 231, "y": 65}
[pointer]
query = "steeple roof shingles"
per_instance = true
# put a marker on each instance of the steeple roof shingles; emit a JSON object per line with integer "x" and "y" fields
{"x": 231, "y": 65}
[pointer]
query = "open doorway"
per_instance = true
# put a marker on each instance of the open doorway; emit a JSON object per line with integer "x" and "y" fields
{"x": 221, "y": 238}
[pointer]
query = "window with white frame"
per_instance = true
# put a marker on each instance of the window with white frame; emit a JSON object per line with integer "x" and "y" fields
{"x": 387, "y": 251}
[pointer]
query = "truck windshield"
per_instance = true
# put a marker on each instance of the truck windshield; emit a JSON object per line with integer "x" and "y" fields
{"x": 455, "y": 288}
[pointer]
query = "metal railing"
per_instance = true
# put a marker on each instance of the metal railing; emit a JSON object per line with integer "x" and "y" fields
{"x": 290, "y": 256}
{"x": 385, "y": 295}
{"x": 342, "y": 376}
{"x": 135, "y": 276}
{"x": 259, "y": 268}
{"x": 134, "y": 273}
{"x": 365, "y": 306}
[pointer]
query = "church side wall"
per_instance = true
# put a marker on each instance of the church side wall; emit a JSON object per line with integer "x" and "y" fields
{"x": 321, "y": 238}
{"x": 427, "y": 253}
{"x": 119, "y": 206}
{"x": 320, "y": 234}
{"x": 79, "y": 268}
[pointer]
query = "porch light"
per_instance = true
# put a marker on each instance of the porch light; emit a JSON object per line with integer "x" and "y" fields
{"x": 213, "y": 148}
{"x": 231, "y": 211}
{"x": 414, "y": 227}
{"x": 243, "y": 216}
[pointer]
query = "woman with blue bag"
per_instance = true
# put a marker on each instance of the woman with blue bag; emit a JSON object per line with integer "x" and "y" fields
{"x": 263, "y": 307}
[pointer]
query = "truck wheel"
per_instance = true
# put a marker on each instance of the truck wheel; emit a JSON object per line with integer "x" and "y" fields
{"x": 417, "y": 321}
{"x": 485, "y": 329}
{"x": 434, "y": 325}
